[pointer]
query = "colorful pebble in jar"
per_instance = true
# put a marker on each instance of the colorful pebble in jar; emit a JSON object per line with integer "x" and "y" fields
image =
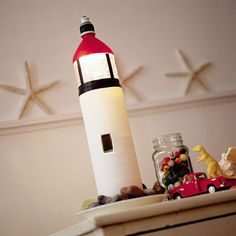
{"x": 171, "y": 160}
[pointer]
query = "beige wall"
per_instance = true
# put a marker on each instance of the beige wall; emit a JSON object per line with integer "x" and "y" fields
{"x": 45, "y": 170}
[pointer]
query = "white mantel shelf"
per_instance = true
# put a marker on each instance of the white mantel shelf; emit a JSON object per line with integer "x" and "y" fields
{"x": 208, "y": 214}
{"x": 142, "y": 108}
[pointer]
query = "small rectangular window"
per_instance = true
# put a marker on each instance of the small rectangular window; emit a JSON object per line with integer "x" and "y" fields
{"x": 107, "y": 143}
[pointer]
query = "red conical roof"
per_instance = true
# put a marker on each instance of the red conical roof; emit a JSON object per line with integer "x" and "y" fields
{"x": 90, "y": 44}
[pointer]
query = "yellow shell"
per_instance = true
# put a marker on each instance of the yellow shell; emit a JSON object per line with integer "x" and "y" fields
{"x": 87, "y": 203}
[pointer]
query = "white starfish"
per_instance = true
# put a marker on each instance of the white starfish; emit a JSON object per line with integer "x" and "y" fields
{"x": 125, "y": 79}
{"x": 30, "y": 92}
{"x": 191, "y": 73}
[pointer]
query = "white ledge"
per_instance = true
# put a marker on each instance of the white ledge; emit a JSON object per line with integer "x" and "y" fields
{"x": 59, "y": 120}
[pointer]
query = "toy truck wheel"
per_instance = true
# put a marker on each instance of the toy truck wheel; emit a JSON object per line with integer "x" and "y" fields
{"x": 177, "y": 196}
{"x": 211, "y": 189}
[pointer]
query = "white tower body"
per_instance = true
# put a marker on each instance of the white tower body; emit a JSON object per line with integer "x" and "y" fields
{"x": 106, "y": 123}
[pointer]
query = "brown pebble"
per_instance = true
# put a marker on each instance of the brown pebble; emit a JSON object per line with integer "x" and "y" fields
{"x": 158, "y": 188}
{"x": 132, "y": 191}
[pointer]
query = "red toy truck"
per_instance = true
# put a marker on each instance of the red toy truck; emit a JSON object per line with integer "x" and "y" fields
{"x": 198, "y": 183}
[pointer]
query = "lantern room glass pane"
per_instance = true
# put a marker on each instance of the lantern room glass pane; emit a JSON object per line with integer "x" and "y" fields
{"x": 94, "y": 67}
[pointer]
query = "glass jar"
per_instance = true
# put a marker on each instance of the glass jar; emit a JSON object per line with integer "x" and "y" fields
{"x": 171, "y": 160}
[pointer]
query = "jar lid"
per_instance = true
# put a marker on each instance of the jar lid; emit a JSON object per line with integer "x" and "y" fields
{"x": 162, "y": 140}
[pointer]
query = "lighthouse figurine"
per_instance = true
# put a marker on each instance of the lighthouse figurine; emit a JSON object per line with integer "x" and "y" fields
{"x": 105, "y": 118}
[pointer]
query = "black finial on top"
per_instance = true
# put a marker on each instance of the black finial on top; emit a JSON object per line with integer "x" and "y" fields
{"x": 86, "y": 26}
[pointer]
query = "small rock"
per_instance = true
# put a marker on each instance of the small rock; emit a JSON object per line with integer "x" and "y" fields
{"x": 102, "y": 199}
{"x": 158, "y": 188}
{"x": 149, "y": 191}
{"x": 131, "y": 191}
{"x": 144, "y": 186}
{"x": 118, "y": 197}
